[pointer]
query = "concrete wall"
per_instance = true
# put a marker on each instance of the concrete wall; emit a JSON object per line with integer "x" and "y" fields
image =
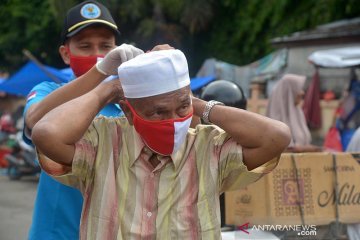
{"x": 330, "y": 79}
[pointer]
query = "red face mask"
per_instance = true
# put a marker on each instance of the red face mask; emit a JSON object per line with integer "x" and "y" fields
{"x": 81, "y": 64}
{"x": 165, "y": 136}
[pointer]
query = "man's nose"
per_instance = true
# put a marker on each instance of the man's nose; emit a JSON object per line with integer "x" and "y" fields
{"x": 96, "y": 51}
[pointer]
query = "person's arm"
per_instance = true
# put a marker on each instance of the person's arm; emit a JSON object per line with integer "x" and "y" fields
{"x": 57, "y": 132}
{"x": 82, "y": 84}
{"x": 261, "y": 138}
{"x": 69, "y": 91}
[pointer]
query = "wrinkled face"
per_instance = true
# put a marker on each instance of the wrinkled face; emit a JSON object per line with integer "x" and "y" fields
{"x": 91, "y": 41}
{"x": 176, "y": 104}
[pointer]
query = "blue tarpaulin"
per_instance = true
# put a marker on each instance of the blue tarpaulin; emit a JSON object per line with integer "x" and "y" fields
{"x": 199, "y": 82}
{"x": 30, "y": 75}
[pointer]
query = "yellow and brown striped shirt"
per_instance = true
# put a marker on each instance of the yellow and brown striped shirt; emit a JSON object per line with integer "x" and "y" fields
{"x": 125, "y": 197}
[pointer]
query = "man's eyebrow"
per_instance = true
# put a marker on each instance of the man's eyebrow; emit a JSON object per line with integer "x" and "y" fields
{"x": 106, "y": 41}
{"x": 158, "y": 108}
{"x": 185, "y": 99}
{"x": 164, "y": 107}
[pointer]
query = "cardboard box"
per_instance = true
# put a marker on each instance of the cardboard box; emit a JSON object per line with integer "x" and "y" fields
{"x": 302, "y": 189}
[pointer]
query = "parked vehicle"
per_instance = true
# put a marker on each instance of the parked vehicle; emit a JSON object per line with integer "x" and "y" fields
{"x": 22, "y": 159}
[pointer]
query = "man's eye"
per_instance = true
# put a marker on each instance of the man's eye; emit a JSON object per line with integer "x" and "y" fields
{"x": 154, "y": 113}
{"x": 159, "y": 112}
{"x": 185, "y": 107}
{"x": 107, "y": 47}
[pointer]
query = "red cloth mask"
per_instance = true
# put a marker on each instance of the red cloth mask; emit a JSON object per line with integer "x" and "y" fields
{"x": 81, "y": 64}
{"x": 165, "y": 136}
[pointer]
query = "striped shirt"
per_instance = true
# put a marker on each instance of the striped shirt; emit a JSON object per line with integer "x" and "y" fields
{"x": 125, "y": 197}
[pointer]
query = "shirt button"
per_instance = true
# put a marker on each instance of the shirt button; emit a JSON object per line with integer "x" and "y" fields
{"x": 149, "y": 214}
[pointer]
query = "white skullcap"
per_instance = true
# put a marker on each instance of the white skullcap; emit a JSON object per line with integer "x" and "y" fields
{"x": 154, "y": 73}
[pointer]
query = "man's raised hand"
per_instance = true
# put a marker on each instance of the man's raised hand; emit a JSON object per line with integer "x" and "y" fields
{"x": 112, "y": 60}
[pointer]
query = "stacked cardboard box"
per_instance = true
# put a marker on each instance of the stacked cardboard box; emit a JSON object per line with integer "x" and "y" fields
{"x": 303, "y": 189}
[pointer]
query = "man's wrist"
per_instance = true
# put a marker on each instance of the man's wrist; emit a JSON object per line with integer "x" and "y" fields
{"x": 98, "y": 68}
{"x": 104, "y": 93}
{"x": 208, "y": 107}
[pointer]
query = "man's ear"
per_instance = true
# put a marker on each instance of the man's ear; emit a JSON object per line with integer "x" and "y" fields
{"x": 127, "y": 111}
{"x": 64, "y": 53}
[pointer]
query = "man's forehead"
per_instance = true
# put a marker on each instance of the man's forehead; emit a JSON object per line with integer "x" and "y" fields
{"x": 95, "y": 32}
{"x": 181, "y": 96}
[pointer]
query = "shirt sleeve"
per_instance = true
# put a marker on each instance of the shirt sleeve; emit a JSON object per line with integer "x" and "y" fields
{"x": 83, "y": 165}
{"x": 37, "y": 94}
{"x": 233, "y": 173}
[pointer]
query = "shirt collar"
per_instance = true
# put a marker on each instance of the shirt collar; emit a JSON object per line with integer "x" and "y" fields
{"x": 139, "y": 145}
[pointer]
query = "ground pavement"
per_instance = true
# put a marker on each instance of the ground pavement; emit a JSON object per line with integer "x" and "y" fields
{"x": 16, "y": 206}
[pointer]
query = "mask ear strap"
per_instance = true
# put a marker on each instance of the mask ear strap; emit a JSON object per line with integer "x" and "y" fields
{"x": 130, "y": 107}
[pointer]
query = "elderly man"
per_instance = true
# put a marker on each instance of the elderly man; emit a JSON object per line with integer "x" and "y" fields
{"x": 150, "y": 176}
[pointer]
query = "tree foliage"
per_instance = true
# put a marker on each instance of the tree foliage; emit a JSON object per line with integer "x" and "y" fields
{"x": 246, "y": 27}
{"x": 25, "y": 25}
{"x": 236, "y": 31}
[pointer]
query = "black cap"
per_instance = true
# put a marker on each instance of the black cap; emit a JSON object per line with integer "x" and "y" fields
{"x": 85, "y": 14}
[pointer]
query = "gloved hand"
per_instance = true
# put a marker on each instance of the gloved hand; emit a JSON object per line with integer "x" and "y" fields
{"x": 112, "y": 60}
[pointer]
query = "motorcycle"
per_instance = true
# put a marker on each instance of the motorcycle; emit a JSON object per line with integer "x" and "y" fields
{"x": 22, "y": 160}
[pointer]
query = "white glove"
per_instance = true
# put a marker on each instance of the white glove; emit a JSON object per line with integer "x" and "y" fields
{"x": 112, "y": 60}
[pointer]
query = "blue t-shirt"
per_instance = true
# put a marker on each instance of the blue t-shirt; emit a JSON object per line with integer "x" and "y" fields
{"x": 57, "y": 207}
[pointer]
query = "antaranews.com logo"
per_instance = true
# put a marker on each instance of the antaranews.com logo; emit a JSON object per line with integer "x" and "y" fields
{"x": 301, "y": 230}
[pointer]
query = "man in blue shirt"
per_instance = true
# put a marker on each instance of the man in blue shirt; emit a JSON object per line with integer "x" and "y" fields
{"x": 89, "y": 33}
